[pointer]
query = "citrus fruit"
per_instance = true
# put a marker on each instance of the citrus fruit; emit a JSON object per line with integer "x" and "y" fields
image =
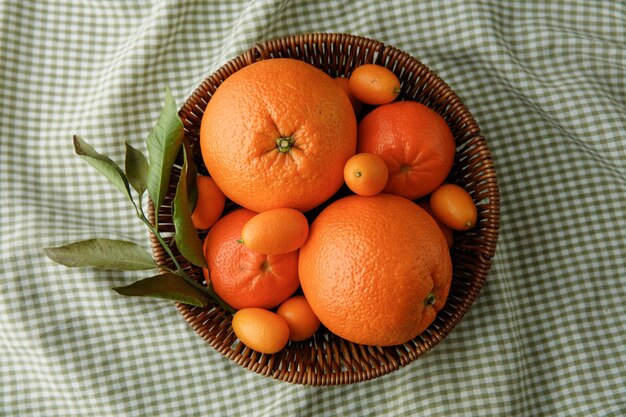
{"x": 374, "y": 84}
{"x": 415, "y": 143}
{"x": 277, "y": 133}
{"x": 300, "y": 318}
{"x": 210, "y": 203}
{"x": 276, "y": 231}
{"x": 344, "y": 83}
{"x": 261, "y": 330}
{"x": 365, "y": 174}
{"x": 241, "y": 276}
{"x": 375, "y": 270}
{"x": 454, "y": 207}
{"x": 447, "y": 232}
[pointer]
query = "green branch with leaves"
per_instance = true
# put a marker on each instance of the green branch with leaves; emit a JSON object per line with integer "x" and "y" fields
{"x": 152, "y": 174}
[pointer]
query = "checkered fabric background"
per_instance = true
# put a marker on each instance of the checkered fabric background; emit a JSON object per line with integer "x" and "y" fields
{"x": 545, "y": 80}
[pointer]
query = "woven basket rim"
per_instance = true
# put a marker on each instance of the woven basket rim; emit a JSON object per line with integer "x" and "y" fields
{"x": 317, "y": 364}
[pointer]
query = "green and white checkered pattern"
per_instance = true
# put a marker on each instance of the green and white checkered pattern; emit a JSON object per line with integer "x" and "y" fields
{"x": 545, "y": 80}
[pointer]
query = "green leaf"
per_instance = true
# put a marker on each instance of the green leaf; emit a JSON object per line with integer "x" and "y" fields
{"x": 103, "y": 164}
{"x": 167, "y": 286}
{"x": 186, "y": 236}
{"x": 163, "y": 145}
{"x": 103, "y": 254}
{"x": 192, "y": 172}
{"x": 136, "y": 168}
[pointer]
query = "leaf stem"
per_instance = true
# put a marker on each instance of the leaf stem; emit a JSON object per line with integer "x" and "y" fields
{"x": 216, "y": 298}
{"x": 179, "y": 270}
{"x": 156, "y": 233}
{"x": 139, "y": 206}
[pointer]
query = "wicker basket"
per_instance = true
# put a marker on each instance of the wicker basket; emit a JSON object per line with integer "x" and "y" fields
{"x": 326, "y": 359}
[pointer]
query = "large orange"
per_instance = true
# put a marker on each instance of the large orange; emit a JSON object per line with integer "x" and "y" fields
{"x": 414, "y": 141}
{"x": 242, "y": 277}
{"x": 375, "y": 270}
{"x": 277, "y": 133}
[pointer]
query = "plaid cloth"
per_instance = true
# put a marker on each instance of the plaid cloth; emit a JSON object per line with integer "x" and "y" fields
{"x": 545, "y": 80}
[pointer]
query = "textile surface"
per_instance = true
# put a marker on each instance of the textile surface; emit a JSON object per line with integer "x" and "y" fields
{"x": 546, "y": 82}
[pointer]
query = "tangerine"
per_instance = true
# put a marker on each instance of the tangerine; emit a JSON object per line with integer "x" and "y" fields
{"x": 415, "y": 143}
{"x": 242, "y": 277}
{"x": 209, "y": 205}
{"x": 277, "y": 133}
{"x": 375, "y": 270}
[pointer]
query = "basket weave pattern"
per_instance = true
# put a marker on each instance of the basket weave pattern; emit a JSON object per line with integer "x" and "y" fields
{"x": 326, "y": 359}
